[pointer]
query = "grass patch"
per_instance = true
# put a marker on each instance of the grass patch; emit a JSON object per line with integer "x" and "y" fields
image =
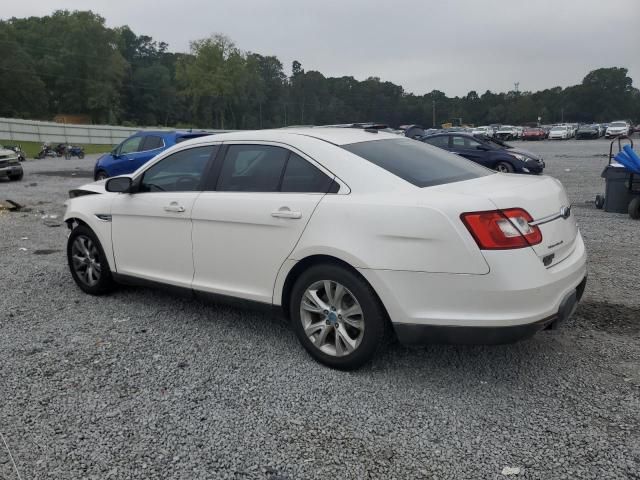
{"x": 31, "y": 149}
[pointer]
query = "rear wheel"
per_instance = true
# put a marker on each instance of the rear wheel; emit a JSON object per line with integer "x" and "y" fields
{"x": 599, "y": 201}
{"x": 88, "y": 263}
{"x": 634, "y": 208}
{"x": 504, "y": 167}
{"x": 337, "y": 316}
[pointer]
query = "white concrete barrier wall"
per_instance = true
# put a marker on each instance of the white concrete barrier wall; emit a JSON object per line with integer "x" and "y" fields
{"x": 17, "y": 130}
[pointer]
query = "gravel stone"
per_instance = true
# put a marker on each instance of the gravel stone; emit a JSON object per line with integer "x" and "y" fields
{"x": 146, "y": 384}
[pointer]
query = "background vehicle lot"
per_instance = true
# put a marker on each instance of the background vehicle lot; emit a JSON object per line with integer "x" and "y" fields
{"x": 146, "y": 384}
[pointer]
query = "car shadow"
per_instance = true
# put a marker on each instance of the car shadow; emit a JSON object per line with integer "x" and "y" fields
{"x": 269, "y": 334}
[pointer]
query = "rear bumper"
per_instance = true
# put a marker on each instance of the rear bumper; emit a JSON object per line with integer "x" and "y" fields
{"x": 416, "y": 334}
{"x": 518, "y": 296}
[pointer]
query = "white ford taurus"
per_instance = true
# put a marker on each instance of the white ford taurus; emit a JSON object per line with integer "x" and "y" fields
{"x": 353, "y": 233}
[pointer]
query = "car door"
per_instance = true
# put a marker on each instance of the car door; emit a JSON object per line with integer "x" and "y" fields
{"x": 150, "y": 146}
{"x": 124, "y": 154}
{"x": 151, "y": 228}
{"x": 243, "y": 231}
{"x": 471, "y": 149}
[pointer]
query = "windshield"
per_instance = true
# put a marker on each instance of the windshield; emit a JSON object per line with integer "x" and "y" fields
{"x": 417, "y": 163}
{"x": 558, "y": 129}
{"x": 617, "y": 124}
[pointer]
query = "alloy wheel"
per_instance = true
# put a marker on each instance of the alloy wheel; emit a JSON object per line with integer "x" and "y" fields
{"x": 332, "y": 318}
{"x": 86, "y": 260}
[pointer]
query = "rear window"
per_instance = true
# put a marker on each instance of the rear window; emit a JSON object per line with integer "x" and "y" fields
{"x": 417, "y": 163}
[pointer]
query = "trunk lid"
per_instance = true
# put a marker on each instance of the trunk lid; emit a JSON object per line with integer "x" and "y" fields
{"x": 543, "y": 197}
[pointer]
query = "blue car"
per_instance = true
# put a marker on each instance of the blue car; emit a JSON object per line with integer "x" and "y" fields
{"x": 137, "y": 150}
{"x": 490, "y": 152}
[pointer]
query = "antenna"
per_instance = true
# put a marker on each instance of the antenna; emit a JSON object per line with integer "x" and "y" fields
{"x": 517, "y": 85}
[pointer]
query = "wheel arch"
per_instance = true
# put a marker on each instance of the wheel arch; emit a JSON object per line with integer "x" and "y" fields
{"x": 102, "y": 230}
{"x": 307, "y": 262}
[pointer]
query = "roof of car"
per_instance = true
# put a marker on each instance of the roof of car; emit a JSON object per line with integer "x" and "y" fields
{"x": 334, "y": 135}
{"x": 174, "y": 132}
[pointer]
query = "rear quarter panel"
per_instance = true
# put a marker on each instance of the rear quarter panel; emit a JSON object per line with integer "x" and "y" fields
{"x": 390, "y": 233}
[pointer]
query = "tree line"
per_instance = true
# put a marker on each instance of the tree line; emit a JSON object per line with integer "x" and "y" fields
{"x": 72, "y": 63}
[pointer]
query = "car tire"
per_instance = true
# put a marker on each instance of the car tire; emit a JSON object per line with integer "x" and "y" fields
{"x": 504, "y": 167}
{"x": 101, "y": 175}
{"x": 634, "y": 208}
{"x": 599, "y": 202}
{"x": 88, "y": 263}
{"x": 317, "y": 316}
{"x": 16, "y": 178}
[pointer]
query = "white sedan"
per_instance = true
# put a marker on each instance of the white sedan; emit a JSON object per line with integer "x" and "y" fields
{"x": 353, "y": 233}
{"x": 559, "y": 132}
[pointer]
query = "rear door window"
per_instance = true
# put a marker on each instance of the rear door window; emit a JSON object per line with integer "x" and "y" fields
{"x": 152, "y": 142}
{"x": 441, "y": 141}
{"x": 301, "y": 176}
{"x": 417, "y": 163}
{"x": 252, "y": 168}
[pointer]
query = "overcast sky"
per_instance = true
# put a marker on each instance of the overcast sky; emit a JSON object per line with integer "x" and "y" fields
{"x": 450, "y": 45}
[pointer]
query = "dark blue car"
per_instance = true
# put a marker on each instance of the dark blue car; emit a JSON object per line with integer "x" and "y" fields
{"x": 488, "y": 152}
{"x": 137, "y": 150}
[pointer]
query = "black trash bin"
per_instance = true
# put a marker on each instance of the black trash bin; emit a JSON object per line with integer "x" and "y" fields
{"x": 619, "y": 189}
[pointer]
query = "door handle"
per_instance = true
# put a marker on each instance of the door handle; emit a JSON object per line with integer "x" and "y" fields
{"x": 286, "y": 212}
{"x": 174, "y": 207}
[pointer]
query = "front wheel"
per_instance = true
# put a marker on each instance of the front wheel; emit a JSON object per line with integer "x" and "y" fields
{"x": 16, "y": 177}
{"x": 504, "y": 167}
{"x": 337, "y": 316}
{"x": 101, "y": 175}
{"x": 88, "y": 263}
{"x": 81, "y": 155}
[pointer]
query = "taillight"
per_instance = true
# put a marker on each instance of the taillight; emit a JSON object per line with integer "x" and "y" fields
{"x": 502, "y": 229}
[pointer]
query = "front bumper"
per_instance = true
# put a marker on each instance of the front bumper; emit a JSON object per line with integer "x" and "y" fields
{"x": 7, "y": 170}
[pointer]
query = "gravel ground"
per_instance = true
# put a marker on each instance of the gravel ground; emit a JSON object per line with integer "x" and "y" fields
{"x": 143, "y": 384}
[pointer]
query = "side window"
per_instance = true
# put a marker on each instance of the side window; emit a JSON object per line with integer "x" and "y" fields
{"x": 459, "y": 142}
{"x": 130, "y": 145}
{"x": 441, "y": 141}
{"x": 301, "y": 176}
{"x": 151, "y": 142}
{"x": 180, "y": 172}
{"x": 474, "y": 144}
{"x": 252, "y": 168}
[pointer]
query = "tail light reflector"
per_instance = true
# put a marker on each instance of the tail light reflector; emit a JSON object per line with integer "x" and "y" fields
{"x": 502, "y": 229}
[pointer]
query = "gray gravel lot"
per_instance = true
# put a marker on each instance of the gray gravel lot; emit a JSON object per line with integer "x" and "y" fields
{"x": 144, "y": 384}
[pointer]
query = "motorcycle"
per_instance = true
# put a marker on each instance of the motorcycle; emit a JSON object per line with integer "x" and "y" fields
{"x": 47, "y": 151}
{"x": 68, "y": 151}
{"x": 74, "y": 151}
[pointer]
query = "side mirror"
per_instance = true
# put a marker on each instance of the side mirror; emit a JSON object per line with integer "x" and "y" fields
{"x": 119, "y": 185}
